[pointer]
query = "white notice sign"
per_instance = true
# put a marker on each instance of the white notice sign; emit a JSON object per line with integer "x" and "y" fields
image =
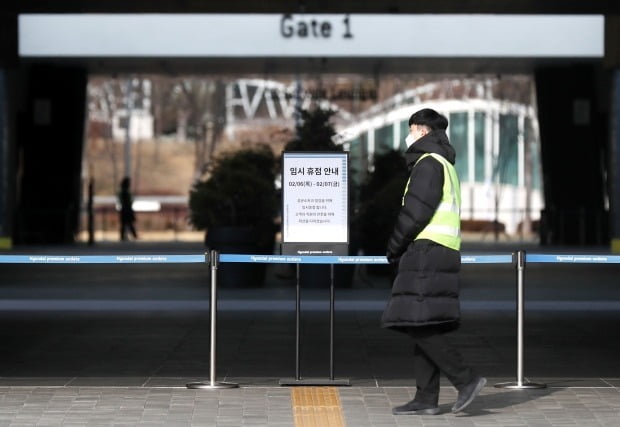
{"x": 315, "y": 197}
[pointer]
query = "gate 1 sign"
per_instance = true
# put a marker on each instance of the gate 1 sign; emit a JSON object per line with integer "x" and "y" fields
{"x": 315, "y": 197}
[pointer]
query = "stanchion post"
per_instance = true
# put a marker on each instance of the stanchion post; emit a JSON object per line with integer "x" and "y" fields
{"x": 213, "y": 260}
{"x": 297, "y": 325}
{"x": 520, "y": 383}
{"x": 331, "y": 323}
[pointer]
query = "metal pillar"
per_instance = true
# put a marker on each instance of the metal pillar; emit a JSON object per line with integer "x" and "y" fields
{"x": 520, "y": 383}
{"x": 213, "y": 384}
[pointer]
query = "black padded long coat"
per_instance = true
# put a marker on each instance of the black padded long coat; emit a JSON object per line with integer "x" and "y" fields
{"x": 426, "y": 289}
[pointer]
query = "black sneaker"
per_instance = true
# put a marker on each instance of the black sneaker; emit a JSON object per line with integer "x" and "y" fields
{"x": 415, "y": 408}
{"x": 468, "y": 394}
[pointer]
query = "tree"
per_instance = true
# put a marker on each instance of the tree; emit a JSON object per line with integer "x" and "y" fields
{"x": 200, "y": 107}
{"x": 314, "y": 132}
{"x": 239, "y": 192}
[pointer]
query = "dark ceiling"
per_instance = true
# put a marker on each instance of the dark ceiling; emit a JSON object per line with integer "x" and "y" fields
{"x": 321, "y": 6}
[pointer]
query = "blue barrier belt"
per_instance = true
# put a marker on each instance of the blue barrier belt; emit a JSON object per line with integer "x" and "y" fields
{"x": 290, "y": 259}
{"x": 309, "y": 259}
{"x": 101, "y": 259}
{"x": 232, "y": 258}
{"x": 572, "y": 259}
{"x": 486, "y": 259}
{"x": 305, "y": 259}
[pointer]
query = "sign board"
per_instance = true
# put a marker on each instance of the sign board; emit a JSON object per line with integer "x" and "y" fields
{"x": 363, "y": 35}
{"x": 315, "y": 203}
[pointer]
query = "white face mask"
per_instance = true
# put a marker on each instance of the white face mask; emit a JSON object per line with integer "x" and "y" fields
{"x": 410, "y": 140}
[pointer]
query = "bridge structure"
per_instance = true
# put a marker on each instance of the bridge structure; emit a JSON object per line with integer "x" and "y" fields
{"x": 252, "y": 101}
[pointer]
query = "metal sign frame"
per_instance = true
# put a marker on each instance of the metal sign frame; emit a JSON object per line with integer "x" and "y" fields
{"x": 323, "y": 200}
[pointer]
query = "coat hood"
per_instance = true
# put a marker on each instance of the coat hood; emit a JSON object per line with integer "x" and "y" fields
{"x": 435, "y": 141}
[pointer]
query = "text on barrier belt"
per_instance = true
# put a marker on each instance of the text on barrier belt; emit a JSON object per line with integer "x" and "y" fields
{"x": 101, "y": 259}
{"x": 574, "y": 259}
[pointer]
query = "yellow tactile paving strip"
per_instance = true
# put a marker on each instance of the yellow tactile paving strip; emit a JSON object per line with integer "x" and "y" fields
{"x": 317, "y": 407}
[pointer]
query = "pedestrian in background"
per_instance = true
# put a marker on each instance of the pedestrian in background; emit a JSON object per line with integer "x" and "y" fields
{"x": 127, "y": 216}
{"x": 426, "y": 245}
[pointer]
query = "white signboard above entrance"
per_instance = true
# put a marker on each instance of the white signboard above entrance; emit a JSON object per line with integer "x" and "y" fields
{"x": 314, "y": 202}
{"x": 317, "y": 35}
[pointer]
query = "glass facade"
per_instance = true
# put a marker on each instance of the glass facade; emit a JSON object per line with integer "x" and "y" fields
{"x": 458, "y": 138}
{"x": 533, "y": 167}
{"x": 508, "y": 159}
{"x": 358, "y": 158}
{"x": 506, "y": 166}
{"x": 384, "y": 139}
{"x": 479, "y": 136}
{"x": 497, "y": 151}
{"x": 404, "y": 131}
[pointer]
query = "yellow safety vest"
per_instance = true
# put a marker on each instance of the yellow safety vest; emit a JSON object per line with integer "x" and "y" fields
{"x": 445, "y": 225}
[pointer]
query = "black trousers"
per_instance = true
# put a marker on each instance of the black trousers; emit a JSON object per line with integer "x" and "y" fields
{"x": 433, "y": 354}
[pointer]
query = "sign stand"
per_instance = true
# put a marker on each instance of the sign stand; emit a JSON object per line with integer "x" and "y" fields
{"x": 298, "y": 380}
{"x": 315, "y": 222}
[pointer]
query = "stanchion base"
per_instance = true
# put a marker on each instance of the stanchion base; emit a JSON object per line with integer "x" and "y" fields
{"x": 516, "y": 385}
{"x": 209, "y": 386}
{"x": 314, "y": 382}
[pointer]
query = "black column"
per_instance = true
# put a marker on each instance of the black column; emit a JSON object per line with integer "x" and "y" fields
{"x": 573, "y": 134}
{"x": 50, "y": 138}
{"x": 615, "y": 165}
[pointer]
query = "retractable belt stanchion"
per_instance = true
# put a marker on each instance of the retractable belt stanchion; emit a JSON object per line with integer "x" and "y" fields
{"x": 520, "y": 383}
{"x": 213, "y": 384}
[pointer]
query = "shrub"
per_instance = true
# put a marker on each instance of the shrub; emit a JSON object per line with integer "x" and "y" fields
{"x": 239, "y": 191}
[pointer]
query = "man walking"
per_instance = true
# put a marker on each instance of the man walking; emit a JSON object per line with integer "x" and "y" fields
{"x": 426, "y": 245}
{"x": 126, "y": 214}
